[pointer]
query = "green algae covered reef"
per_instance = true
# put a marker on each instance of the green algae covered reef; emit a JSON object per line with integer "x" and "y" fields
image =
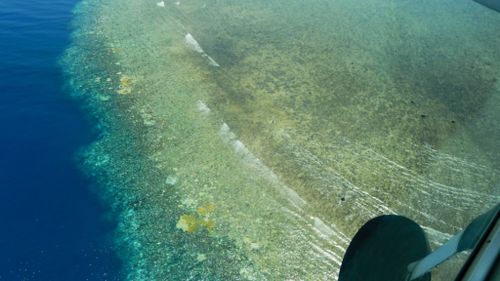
{"x": 249, "y": 140}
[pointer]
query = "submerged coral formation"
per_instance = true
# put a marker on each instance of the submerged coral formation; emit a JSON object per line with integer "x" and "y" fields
{"x": 125, "y": 86}
{"x": 318, "y": 116}
{"x": 193, "y": 223}
{"x": 188, "y": 223}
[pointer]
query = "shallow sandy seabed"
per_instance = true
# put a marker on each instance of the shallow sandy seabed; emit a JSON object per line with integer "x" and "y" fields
{"x": 250, "y": 140}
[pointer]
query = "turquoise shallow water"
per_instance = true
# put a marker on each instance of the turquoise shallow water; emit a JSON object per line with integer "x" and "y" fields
{"x": 250, "y": 140}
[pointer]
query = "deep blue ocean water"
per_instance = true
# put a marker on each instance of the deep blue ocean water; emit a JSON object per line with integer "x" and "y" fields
{"x": 52, "y": 226}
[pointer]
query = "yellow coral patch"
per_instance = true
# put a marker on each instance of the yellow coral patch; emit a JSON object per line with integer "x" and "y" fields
{"x": 208, "y": 224}
{"x": 125, "y": 81}
{"x": 125, "y": 85}
{"x": 188, "y": 223}
{"x": 192, "y": 223}
{"x": 206, "y": 210}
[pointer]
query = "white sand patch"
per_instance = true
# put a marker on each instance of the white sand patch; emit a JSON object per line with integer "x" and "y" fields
{"x": 202, "y": 107}
{"x": 192, "y": 44}
{"x": 212, "y": 62}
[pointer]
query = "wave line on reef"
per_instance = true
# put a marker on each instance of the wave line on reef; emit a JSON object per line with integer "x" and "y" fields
{"x": 308, "y": 228}
{"x": 252, "y": 161}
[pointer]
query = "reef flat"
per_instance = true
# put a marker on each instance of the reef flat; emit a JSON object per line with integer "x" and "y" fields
{"x": 249, "y": 140}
